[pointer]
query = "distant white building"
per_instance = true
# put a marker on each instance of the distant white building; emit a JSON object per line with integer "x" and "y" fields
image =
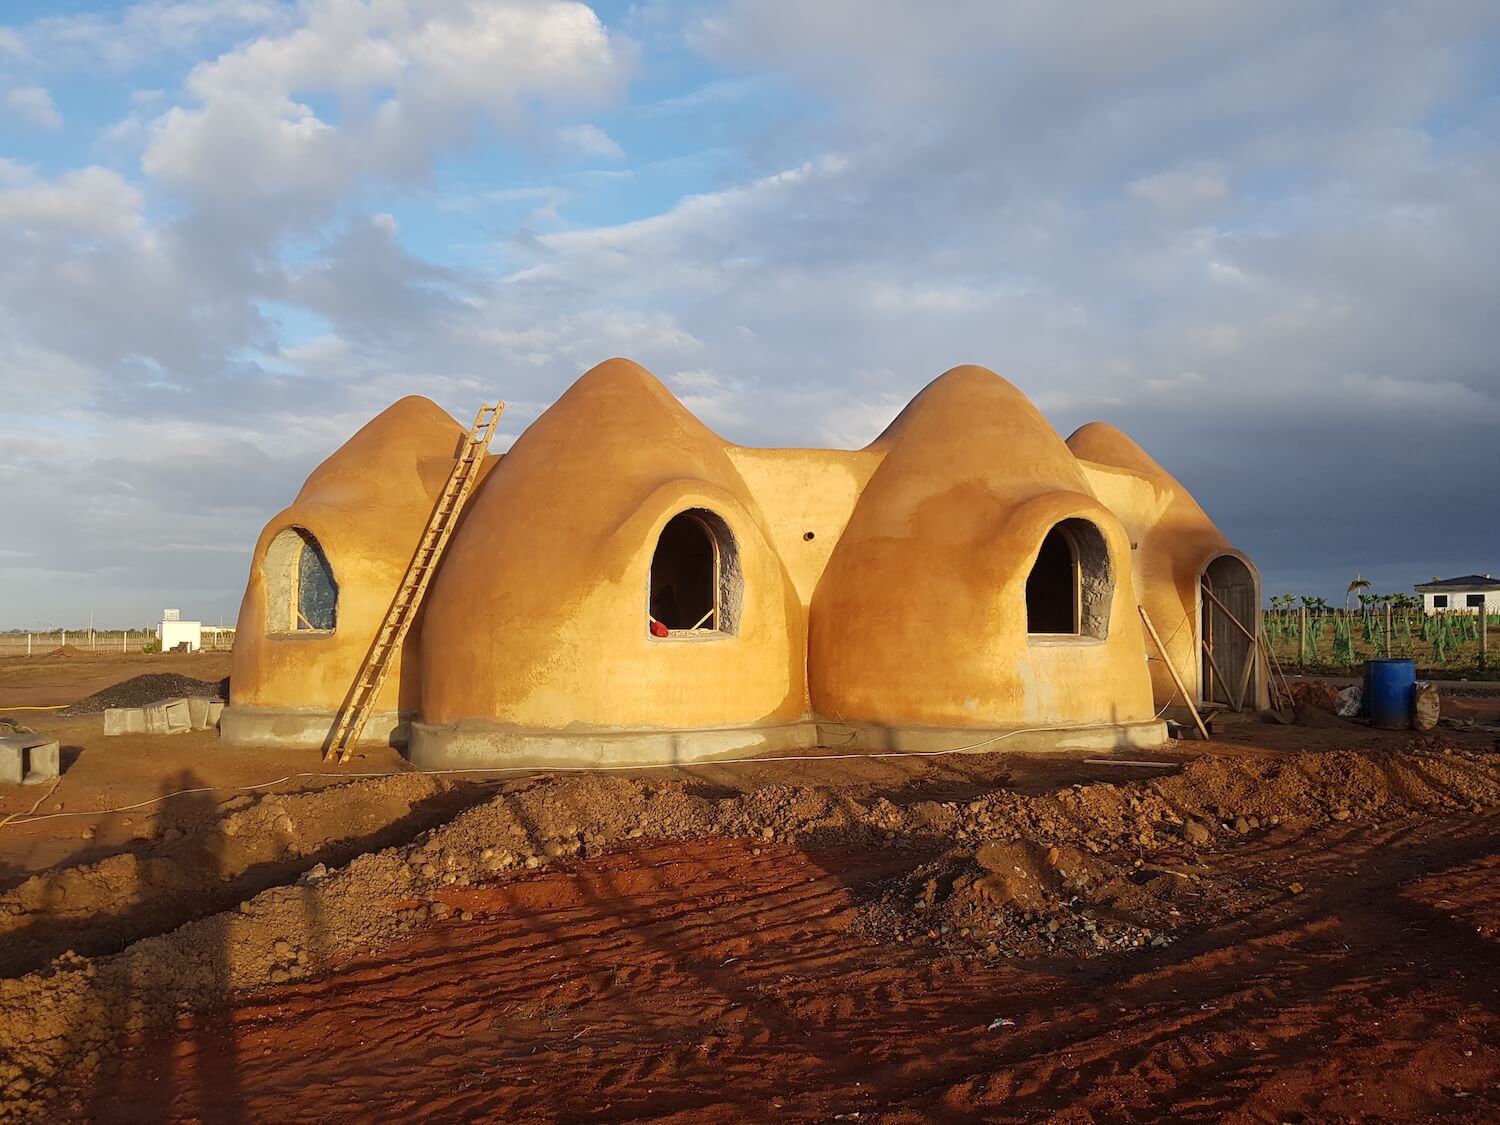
{"x": 1472, "y": 592}
{"x": 173, "y": 631}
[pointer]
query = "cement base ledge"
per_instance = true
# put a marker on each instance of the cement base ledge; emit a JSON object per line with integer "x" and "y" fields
{"x": 266, "y": 726}
{"x": 474, "y": 745}
{"x": 869, "y": 738}
{"x": 488, "y": 745}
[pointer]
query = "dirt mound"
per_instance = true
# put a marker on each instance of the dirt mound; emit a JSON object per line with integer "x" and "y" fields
{"x": 1085, "y": 870}
{"x": 140, "y": 690}
{"x": 1020, "y": 899}
{"x": 1316, "y": 694}
{"x": 66, "y": 651}
{"x": 260, "y": 841}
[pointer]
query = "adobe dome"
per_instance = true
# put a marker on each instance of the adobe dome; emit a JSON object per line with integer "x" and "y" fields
{"x": 624, "y": 586}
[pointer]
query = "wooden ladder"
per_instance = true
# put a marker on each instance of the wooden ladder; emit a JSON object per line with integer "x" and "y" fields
{"x": 403, "y": 610}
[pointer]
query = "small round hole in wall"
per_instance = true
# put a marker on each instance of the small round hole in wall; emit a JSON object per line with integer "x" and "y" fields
{"x": 808, "y": 536}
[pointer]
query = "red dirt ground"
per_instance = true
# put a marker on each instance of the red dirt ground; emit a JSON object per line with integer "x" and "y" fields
{"x": 720, "y": 978}
{"x": 692, "y": 982}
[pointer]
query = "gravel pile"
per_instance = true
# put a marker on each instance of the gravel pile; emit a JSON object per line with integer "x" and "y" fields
{"x": 140, "y": 690}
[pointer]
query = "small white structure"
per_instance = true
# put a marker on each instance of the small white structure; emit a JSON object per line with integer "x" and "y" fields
{"x": 1470, "y": 593}
{"x": 173, "y": 631}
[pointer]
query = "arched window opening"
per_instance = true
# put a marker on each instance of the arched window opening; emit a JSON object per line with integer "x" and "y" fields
{"x": 1071, "y": 585}
{"x": 301, "y": 594}
{"x": 695, "y": 577}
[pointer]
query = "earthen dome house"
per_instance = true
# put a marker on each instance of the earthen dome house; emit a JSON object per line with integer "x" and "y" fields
{"x": 627, "y": 587}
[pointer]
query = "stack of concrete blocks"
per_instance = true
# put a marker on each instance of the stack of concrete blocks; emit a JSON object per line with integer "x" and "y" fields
{"x": 165, "y": 716}
{"x": 28, "y": 759}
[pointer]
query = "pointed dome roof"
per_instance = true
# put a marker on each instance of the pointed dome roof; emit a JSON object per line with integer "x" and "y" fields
{"x": 968, "y": 428}
{"x": 404, "y": 453}
{"x": 554, "y": 552}
{"x": 618, "y": 413}
{"x": 1106, "y": 445}
{"x": 972, "y": 479}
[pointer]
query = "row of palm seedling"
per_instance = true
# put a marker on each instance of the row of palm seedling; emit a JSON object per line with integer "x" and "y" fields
{"x": 1308, "y": 632}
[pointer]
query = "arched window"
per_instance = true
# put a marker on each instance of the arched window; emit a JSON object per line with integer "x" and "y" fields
{"x": 301, "y": 594}
{"x": 1070, "y": 586}
{"x": 695, "y": 577}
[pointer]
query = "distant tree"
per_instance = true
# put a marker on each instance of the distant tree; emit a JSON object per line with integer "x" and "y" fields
{"x": 1354, "y": 587}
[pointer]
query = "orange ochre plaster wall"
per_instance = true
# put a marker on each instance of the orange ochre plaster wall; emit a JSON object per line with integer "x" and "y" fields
{"x": 881, "y": 586}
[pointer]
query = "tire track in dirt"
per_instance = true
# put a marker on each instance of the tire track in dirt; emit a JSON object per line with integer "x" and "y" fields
{"x": 698, "y": 980}
{"x": 526, "y": 989}
{"x": 1309, "y": 978}
{"x": 725, "y": 973}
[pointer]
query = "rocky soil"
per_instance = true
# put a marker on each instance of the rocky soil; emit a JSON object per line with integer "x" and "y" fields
{"x": 1087, "y": 871}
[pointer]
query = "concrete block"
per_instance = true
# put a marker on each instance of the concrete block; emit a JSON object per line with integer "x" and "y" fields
{"x": 28, "y": 759}
{"x": 168, "y": 716}
{"x": 215, "y": 712}
{"x": 125, "y": 720}
{"x": 44, "y": 762}
{"x": 198, "y": 711}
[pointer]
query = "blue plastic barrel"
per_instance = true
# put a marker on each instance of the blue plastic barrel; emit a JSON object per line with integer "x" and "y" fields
{"x": 1390, "y": 692}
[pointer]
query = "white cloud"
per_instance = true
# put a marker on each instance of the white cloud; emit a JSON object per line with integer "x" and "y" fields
{"x": 1184, "y": 189}
{"x": 92, "y": 202}
{"x": 136, "y": 35}
{"x": 591, "y": 141}
{"x": 408, "y": 80}
{"x": 33, "y": 105}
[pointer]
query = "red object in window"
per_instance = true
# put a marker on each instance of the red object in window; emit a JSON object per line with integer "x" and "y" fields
{"x": 658, "y": 629}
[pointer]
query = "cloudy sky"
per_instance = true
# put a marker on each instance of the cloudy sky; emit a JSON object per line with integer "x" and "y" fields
{"x": 1263, "y": 238}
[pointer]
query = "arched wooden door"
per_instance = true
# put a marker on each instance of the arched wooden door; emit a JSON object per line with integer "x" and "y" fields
{"x": 1230, "y": 599}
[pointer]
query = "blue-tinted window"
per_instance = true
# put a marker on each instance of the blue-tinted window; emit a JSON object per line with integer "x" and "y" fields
{"x": 317, "y": 593}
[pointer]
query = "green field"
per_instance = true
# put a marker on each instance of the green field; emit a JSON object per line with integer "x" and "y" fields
{"x": 1336, "y": 641}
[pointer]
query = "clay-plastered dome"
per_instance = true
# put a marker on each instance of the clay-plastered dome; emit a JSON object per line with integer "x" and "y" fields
{"x": 539, "y": 616}
{"x": 921, "y": 615}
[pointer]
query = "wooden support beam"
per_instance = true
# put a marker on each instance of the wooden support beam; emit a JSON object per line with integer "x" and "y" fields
{"x": 1252, "y": 654}
{"x": 1172, "y": 671}
{"x": 1214, "y": 665}
{"x": 1237, "y": 623}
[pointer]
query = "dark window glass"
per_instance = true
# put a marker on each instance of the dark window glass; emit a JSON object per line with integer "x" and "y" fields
{"x": 1052, "y": 588}
{"x": 684, "y": 576}
{"x": 317, "y": 594}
